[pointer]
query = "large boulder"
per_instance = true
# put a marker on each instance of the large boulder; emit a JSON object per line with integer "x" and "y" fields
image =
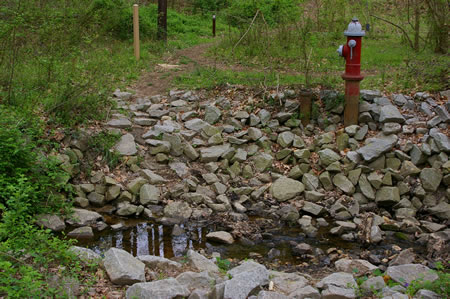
{"x": 81, "y": 217}
{"x": 409, "y": 272}
{"x": 285, "y": 188}
{"x": 160, "y": 289}
{"x": 123, "y": 268}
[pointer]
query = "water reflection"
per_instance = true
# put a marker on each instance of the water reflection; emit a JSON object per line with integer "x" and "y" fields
{"x": 149, "y": 238}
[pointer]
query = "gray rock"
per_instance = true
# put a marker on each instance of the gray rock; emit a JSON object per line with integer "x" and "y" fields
{"x": 126, "y": 145}
{"x": 304, "y": 293}
{"x": 201, "y": 263}
{"x": 328, "y": 156}
{"x": 365, "y": 187}
{"x": 357, "y": 266}
{"x": 123, "y": 268}
{"x": 442, "y": 113}
{"x": 287, "y": 282}
{"x": 373, "y": 284}
{"x": 390, "y": 114}
{"x": 212, "y": 114}
{"x": 271, "y": 295}
{"x": 178, "y": 210}
{"x": 313, "y": 208}
{"x": 254, "y": 134}
{"x": 213, "y": 153}
{"x": 121, "y": 123}
{"x": 53, "y": 222}
{"x": 376, "y": 148}
{"x": 84, "y": 232}
{"x": 195, "y": 124}
{"x": 194, "y": 280}
{"x": 431, "y": 178}
{"x": 126, "y": 209}
{"x": 180, "y": 169}
{"x": 199, "y": 294}
{"x": 285, "y": 139}
{"x": 338, "y": 285}
{"x": 343, "y": 183}
{"x": 262, "y": 162}
{"x": 81, "y": 217}
{"x": 151, "y": 177}
{"x": 161, "y": 289}
{"x": 245, "y": 278}
{"x": 442, "y": 140}
{"x": 426, "y": 294}
{"x": 400, "y": 99}
{"x": 149, "y": 194}
{"x": 86, "y": 255}
{"x": 409, "y": 272}
{"x": 285, "y": 188}
{"x": 387, "y": 196}
{"x": 221, "y": 236}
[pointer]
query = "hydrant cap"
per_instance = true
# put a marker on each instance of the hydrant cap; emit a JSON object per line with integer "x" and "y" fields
{"x": 354, "y": 28}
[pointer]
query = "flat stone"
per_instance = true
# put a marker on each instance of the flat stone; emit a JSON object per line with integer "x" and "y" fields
{"x": 168, "y": 288}
{"x": 178, "y": 210}
{"x": 305, "y": 292}
{"x": 245, "y": 278}
{"x": 81, "y": 217}
{"x": 390, "y": 114}
{"x": 376, "y": 148}
{"x": 200, "y": 262}
{"x": 387, "y": 196}
{"x": 430, "y": 178}
{"x": 126, "y": 145}
{"x": 151, "y": 177}
{"x": 194, "y": 280}
{"x": 221, "y": 237}
{"x": 121, "y": 123}
{"x": 271, "y": 295}
{"x": 358, "y": 267}
{"x": 212, "y": 114}
{"x": 285, "y": 188}
{"x": 149, "y": 194}
{"x": 328, "y": 156}
{"x": 343, "y": 183}
{"x": 262, "y": 162}
{"x": 123, "y": 268}
{"x": 86, "y": 255}
{"x": 84, "y": 232}
{"x": 409, "y": 272}
{"x": 213, "y": 153}
{"x": 53, "y": 222}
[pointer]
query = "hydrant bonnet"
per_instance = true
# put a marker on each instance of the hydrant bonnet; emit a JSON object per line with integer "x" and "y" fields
{"x": 354, "y": 28}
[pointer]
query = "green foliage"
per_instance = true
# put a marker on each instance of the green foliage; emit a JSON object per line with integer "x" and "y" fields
{"x": 240, "y": 13}
{"x": 205, "y": 6}
{"x": 223, "y": 264}
{"x": 102, "y": 144}
{"x": 440, "y": 286}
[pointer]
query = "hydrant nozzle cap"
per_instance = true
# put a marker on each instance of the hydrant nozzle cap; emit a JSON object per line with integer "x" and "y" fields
{"x": 354, "y": 28}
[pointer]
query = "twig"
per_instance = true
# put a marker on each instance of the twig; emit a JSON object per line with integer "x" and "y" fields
{"x": 395, "y": 25}
{"x": 249, "y": 27}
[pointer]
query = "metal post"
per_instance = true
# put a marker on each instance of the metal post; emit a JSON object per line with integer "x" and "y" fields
{"x": 214, "y": 25}
{"x": 137, "y": 52}
{"x": 162, "y": 20}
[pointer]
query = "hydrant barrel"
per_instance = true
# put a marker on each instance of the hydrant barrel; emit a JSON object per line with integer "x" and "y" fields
{"x": 351, "y": 51}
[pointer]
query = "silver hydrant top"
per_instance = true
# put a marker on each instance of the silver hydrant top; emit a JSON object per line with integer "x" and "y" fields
{"x": 354, "y": 28}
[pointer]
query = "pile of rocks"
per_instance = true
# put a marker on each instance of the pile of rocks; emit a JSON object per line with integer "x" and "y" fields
{"x": 191, "y": 155}
{"x": 204, "y": 279}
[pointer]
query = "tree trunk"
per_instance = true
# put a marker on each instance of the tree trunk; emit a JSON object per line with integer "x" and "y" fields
{"x": 417, "y": 24}
{"x": 162, "y": 20}
{"x": 438, "y": 14}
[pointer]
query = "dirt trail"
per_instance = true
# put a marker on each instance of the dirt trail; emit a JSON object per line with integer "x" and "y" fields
{"x": 159, "y": 80}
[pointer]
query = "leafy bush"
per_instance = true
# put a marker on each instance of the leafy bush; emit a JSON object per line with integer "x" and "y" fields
{"x": 240, "y": 13}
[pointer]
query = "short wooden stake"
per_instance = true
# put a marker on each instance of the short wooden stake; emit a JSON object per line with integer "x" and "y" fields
{"x": 137, "y": 52}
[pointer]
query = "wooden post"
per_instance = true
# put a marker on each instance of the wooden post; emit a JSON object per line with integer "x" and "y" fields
{"x": 137, "y": 52}
{"x": 214, "y": 25}
{"x": 162, "y": 20}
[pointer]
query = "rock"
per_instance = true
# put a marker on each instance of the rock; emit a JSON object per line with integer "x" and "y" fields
{"x": 409, "y": 272}
{"x": 408, "y": 168}
{"x": 194, "y": 280}
{"x": 262, "y": 162}
{"x": 254, "y": 134}
{"x": 126, "y": 145}
{"x": 180, "y": 169}
{"x": 442, "y": 140}
{"x": 149, "y": 194}
{"x": 81, "y": 217}
{"x": 123, "y": 268}
{"x": 373, "y": 284}
{"x": 431, "y": 178}
{"x": 221, "y": 237}
{"x": 376, "y": 148}
{"x": 121, "y": 123}
{"x": 246, "y": 278}
{"x": 365, "y": 187}
{"x": 287, "y": 282}
{"x": 426, "y": 294}
{"x": 358, "y": 266}
{"x": 168, "y": 288}
{"x": 53, "y": 222}
{"x": 304, "y": 293}
{"x": 126, "y": 209}
{"x": 135, "y": 185}
{"x": 178, "y": 210}
{"x": 151, "y": 177}
{"x": 199, "y": 294}
{"x": 338, "y": 285}
{"x": 285, "y": 188}
{"x": 302, "y": 249}
{"x": 399, "y": 99}
{"x": 84, "y": 232}
{"x": 341, "y": 181}
{"x": 328, "y": 156}
{"x": 212, "y": 114}
{"x": 201, "y": 263}
{"x": 195, "y": 124}
{"x": 387, "y": 196}
{"x": 285, "y": 139}
{"x": 213, "y": 153}
{"x": 313, "y": 208}
{"x": 390, "y": 114}
{"x": 86, "y": 255}
{"x": 271, "y": 295}
{"x": 404, "y": 257}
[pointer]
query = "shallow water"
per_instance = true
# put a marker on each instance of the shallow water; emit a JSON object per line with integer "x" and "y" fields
{"x": 141, "y": 237}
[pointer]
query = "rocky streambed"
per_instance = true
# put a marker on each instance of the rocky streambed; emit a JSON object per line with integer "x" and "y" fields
{"x": 241, "y": 165}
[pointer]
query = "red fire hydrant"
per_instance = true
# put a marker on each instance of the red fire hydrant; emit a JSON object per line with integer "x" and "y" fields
{"x": 352, "y": 76}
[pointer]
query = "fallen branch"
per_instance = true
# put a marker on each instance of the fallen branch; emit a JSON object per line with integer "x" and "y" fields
{"x": 249, "y": 27}
{"x": 399, "y": 27}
